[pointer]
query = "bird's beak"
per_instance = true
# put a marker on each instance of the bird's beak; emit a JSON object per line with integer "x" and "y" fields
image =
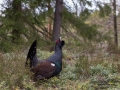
{"x": 60, "y": 38}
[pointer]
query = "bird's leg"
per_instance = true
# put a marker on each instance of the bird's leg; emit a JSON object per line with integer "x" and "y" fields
{"x": 38, "y": 77}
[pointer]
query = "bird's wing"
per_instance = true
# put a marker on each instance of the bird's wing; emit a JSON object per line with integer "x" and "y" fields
{"x": 44, "y": 69}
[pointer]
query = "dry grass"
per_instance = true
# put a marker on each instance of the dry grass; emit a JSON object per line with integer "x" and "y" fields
{"x": 14, "y": 75}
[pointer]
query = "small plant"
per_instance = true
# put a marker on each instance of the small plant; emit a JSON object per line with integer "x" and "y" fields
{"x": 68, "y": 73}
{"x": 82, "y": 66}
{"x": 113, "y": 49}
{"x": 5, "y": 46}
{"x": 104, "y": 75}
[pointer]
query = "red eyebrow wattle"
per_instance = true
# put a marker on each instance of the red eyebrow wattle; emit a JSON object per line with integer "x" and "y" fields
{"x": 57, "y": 41}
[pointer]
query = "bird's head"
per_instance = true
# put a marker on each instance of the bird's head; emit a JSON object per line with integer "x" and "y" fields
{"x": 60, "y": 43}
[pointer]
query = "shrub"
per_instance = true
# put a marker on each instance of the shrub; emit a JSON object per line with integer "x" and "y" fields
{"x": 5, "y": 46}
{"x": 82, "y": 66}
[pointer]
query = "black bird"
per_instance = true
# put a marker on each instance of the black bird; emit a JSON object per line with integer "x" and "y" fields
{"x": 48, "y": 68}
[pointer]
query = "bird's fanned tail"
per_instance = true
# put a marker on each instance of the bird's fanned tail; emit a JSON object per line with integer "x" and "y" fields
{"x": 32, "y": 55}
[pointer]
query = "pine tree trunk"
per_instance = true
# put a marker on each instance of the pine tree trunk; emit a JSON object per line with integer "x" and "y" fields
{"x": 57, "y": 20}
{"x": 115, "y": 24}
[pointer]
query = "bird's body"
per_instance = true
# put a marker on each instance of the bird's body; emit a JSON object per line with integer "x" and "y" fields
{"x": 46, "y": 68}
{"x": 43, "y": 70}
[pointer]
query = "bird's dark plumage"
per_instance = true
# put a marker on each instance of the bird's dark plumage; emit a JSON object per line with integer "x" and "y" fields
{"x": 46, "y": 68}
{"x": 43, "y": 70}
{"x": 31, "y": 53}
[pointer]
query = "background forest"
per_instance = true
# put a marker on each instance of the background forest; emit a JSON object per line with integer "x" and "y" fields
{"x": 90, "y": 29}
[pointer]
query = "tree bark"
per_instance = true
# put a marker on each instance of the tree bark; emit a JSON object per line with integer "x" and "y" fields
{"x": 115, "y": 24}
{"x": 57, "y": 20}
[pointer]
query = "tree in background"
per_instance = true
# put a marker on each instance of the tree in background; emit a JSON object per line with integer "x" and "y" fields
{"x": 16, "y": 16}
{"x": 29, "y": 18}
{"x": 57, "y": 19}
{"x": 115, "y": 24}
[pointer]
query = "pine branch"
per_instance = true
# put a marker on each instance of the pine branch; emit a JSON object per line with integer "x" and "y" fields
{"x": 34, "y": 28}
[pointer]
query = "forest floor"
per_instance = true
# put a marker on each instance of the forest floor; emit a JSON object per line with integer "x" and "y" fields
{"x": 98, "y": 70}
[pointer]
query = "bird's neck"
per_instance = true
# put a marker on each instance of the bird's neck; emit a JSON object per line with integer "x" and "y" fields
{"x": 59, "y": 65}
{"x": 58, "y": 49}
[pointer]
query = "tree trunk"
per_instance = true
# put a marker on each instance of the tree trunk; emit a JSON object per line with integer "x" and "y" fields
{"x": 57, "y": 20}
{"x": 115, "y": 24}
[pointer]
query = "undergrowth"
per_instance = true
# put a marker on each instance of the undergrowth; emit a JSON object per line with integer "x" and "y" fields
{"x": 100, "y": 72}
{"x": 80, "y": 72}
